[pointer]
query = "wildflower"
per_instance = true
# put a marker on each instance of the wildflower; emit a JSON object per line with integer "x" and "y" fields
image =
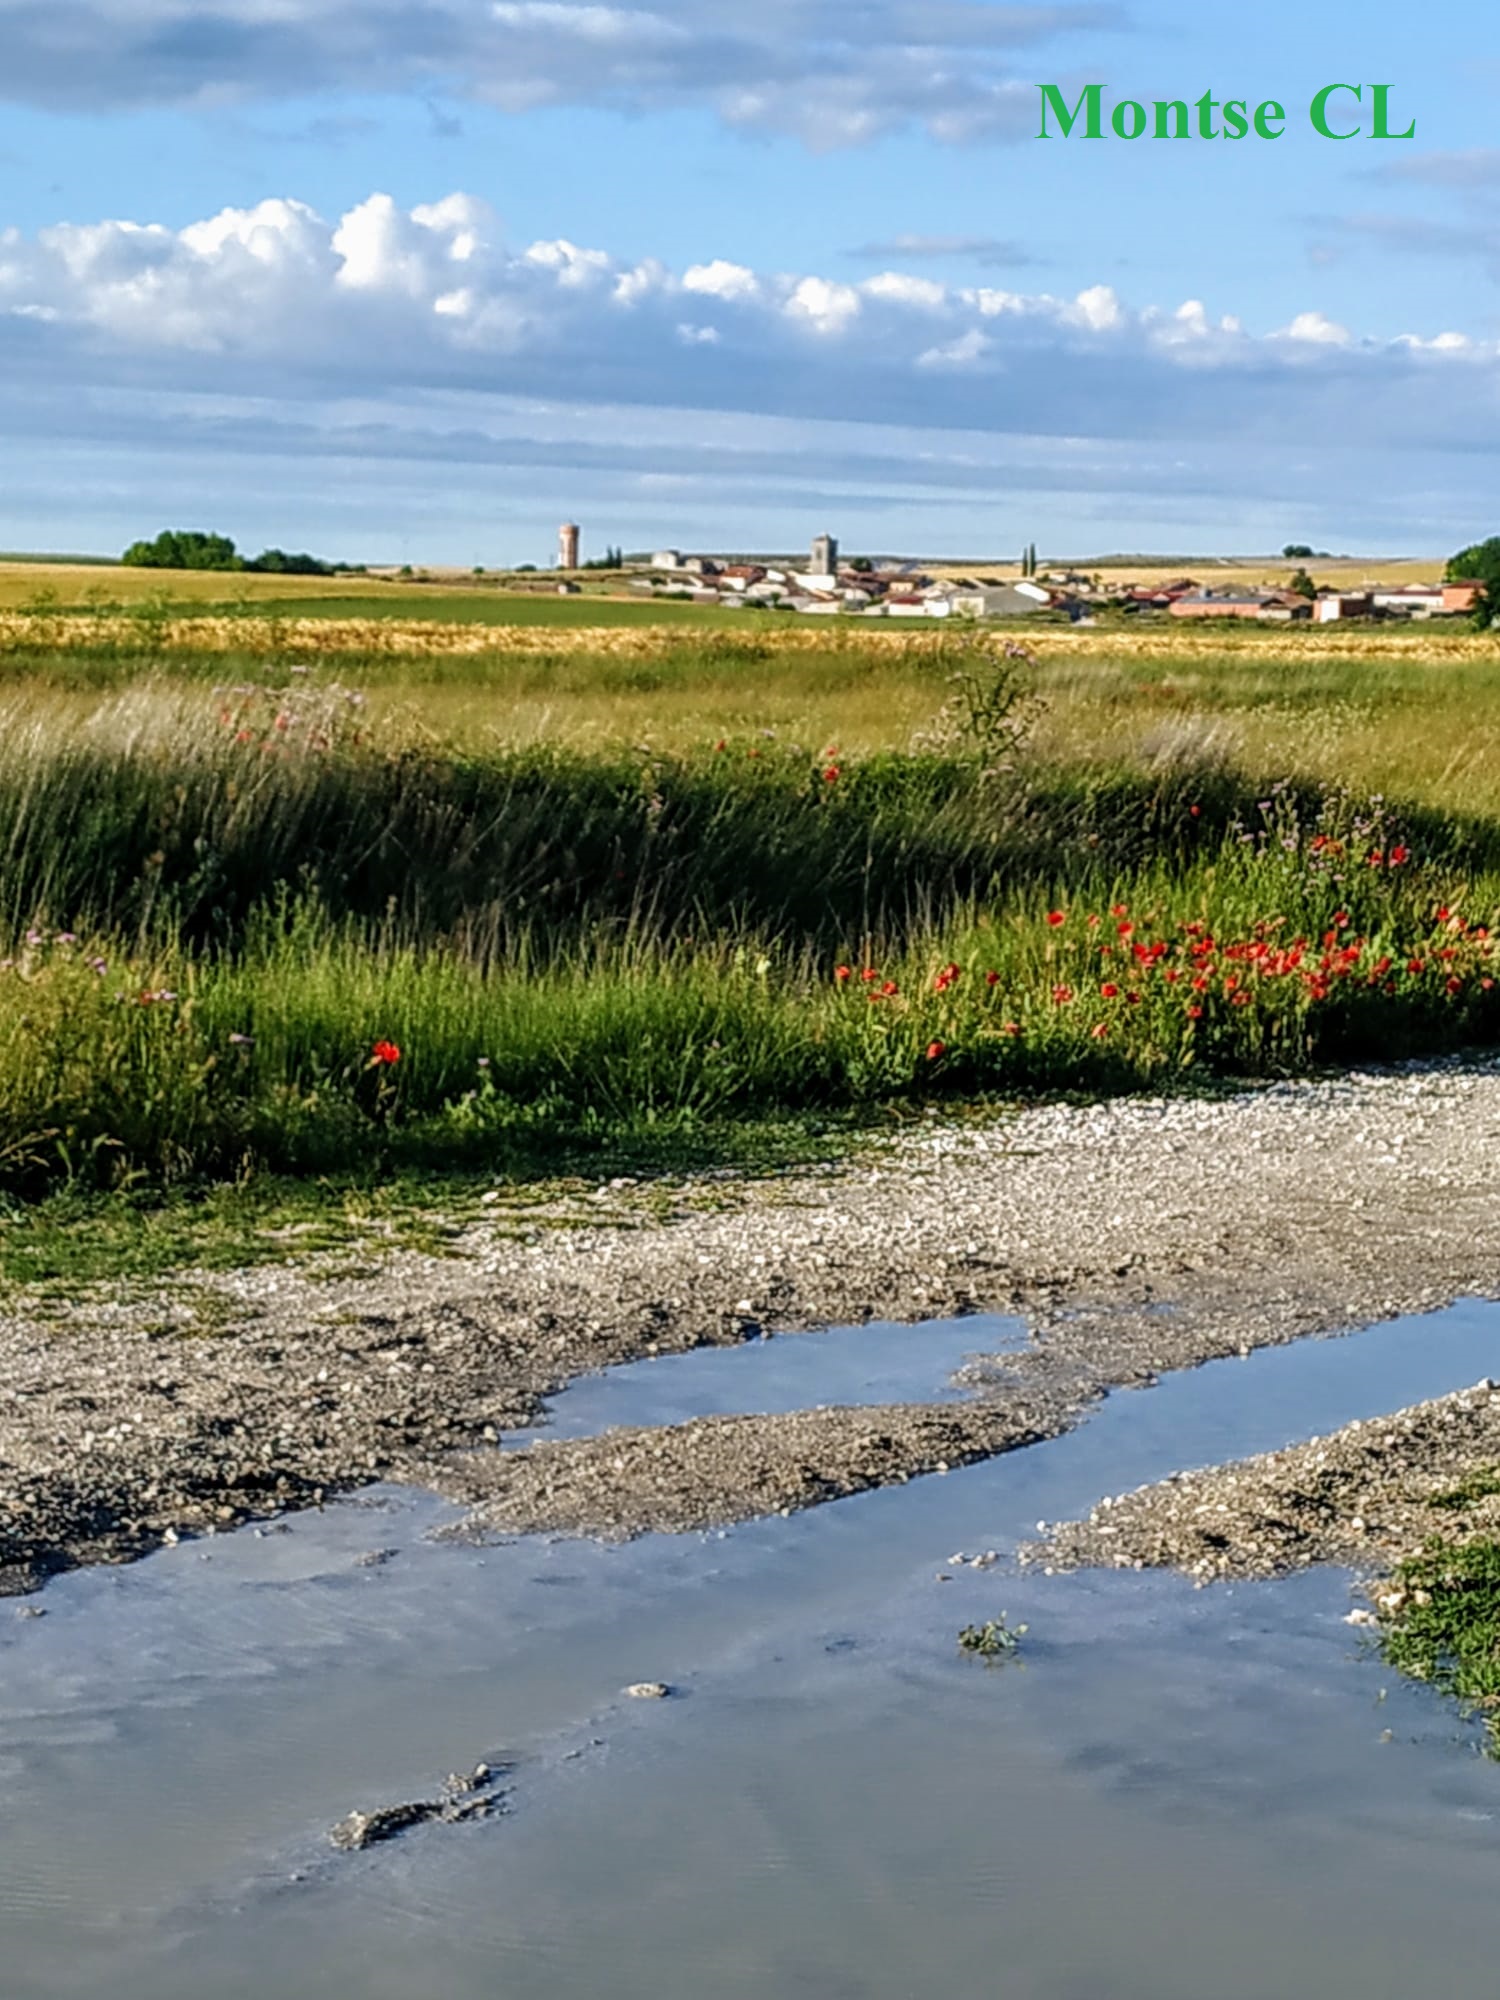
{"x": 722, "y": 744}
{"x": 1195, "y": 1012}
{"x": 946, "y": 978}
{"x": 1416, "y": 965}
{"x": 1125, "y": 930}
{"x": 1443, "y": 913}
{"x": 1340, "y": 918}
{"x": 868, "y": 974}
{"x": 843, "y": 974}
{"x": 484, "y": 1062}
{"x": 1453, "y": 986}
{"x": 1014, "y": 1027}
{"x": 384, "y": 1055}
{"x": 66, "y": 937}
{"x": 1099, "y": 1030}
{"x": 1132, "y": 999}
{"x": 935, "y": 1049}
{"x": 1056, "y": 917}
{"x": 1399, "y": 855}
{"x": 992, "y": 979}
{"x": 1109, "y": 990}
{"x": 1118, "y": 910}
{"x": 1195, "y": 811}
{"x": 1061, "y": 995}
{"x": 239, "y": 1041}
{"x": 831, "y": 774}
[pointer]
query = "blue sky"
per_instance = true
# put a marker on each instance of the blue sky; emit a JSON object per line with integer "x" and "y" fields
{"x": 413, "y": 279}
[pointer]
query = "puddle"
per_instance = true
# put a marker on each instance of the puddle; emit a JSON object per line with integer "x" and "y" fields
{"x": 878, "y": 1363}
{"x": 836, "y": 1803}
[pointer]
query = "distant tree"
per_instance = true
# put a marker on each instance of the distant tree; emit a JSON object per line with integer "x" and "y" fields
{"x": 611, "y": 559}
{"x": 405, "y": 570}
{"x": 1479, "y": 563}
{"x": 1302, "y": 583}
{"x": 525, "y": 569}
{"x": 862, "y": 565}
{"x": 183, "y": 548}
{"x": 1295, "y": 551}
{"x": 277, "y": 562}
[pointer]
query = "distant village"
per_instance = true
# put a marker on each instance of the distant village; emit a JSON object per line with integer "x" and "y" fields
{"x": 892, "y": 588}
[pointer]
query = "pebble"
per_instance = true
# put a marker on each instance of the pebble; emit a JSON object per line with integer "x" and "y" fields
{"x": 648, "y": 1690}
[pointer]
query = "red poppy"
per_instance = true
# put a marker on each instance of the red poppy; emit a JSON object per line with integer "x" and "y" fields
{"x": 1062, "y": 995}
{"x": 1056, "y": 917}
{"x": 992, "y": 979}
{"x": 842, "y": 974}
{"x": 1099, "y": 1030}
{"x": 831, "y": 775}
{"x": 1195, "y": 1013}
{"x": 385, "y": 1053}
{"x": 1109, "y": 990}
{"x": 935, "y": 1049}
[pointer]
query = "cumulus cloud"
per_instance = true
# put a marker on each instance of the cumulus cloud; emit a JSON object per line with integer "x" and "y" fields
{"x": 831, "y": 74}
{"x": 336, "y": 330}
{"x": 435, "y": 293}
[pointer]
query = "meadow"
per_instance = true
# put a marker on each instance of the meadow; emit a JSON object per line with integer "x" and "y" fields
{"x": 305, "y": 895}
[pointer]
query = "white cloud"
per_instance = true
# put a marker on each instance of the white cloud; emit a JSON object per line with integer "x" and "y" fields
{"x": 831, "y": 75}
{"x": 822, "y": 304}
{"x": 900, "y": 288}
{"x": 961, "y": 353}
{"x": 1317, "y": 331}
{"x": 288, "y": 315}
{"x": 721, "y": 280}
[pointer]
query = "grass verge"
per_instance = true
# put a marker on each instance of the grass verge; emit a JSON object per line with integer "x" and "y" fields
{"x": 1442, "y": 1624}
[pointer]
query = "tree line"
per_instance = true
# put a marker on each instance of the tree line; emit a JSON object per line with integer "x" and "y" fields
{"x": 191, "y": 548}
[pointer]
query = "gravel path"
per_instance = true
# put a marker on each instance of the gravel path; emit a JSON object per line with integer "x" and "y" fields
{"x": 1135, "y": 1236}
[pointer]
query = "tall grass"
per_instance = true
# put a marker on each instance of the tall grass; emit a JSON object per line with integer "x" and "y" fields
{"x": 225, "y": 911}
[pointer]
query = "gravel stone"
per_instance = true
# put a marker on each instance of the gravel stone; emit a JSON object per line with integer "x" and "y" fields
{"x": 1134, "y": 1236}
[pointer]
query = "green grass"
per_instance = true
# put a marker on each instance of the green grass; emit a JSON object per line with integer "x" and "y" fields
{"x": 1447, "y": 1629}
{"x": 218, "y": 904}
{"x": 1482, "y": 1484}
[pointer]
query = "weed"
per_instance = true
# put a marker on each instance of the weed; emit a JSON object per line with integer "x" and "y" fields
{"x": 994, "y": 1639}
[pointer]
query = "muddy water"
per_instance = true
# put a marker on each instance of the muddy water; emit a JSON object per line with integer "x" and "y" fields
{"x": 1175, "y": 1795}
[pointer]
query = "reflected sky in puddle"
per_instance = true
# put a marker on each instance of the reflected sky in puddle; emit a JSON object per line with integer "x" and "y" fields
{"x": 879, "y": 1363}
{"x": 837, "y": 1803}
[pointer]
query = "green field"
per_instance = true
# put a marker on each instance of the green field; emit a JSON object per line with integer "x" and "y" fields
{"x": 658, "y": 889}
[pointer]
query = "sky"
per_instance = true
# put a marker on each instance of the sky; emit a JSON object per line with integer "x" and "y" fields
{"x": 416, "y": 280}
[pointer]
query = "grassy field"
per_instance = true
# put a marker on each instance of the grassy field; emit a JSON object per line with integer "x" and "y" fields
{"x": 330, "y": 895}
